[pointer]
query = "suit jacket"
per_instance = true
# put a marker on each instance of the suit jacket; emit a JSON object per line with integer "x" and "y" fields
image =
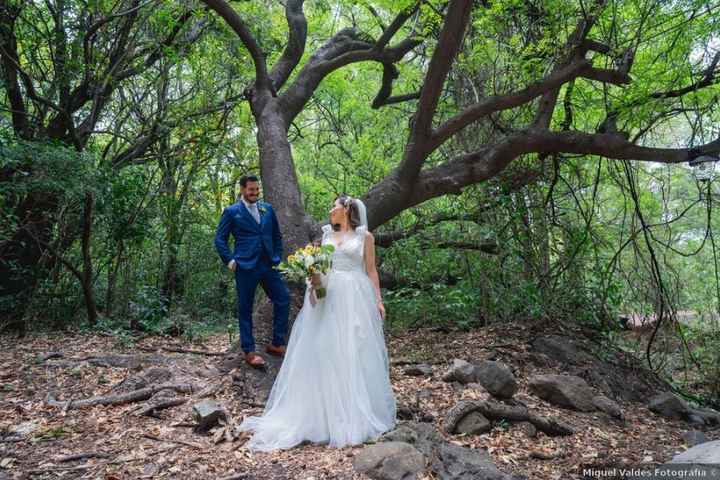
{"x": 251, "y": 237}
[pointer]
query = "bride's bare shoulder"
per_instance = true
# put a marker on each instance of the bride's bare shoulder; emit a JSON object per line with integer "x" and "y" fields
{"x": 367, "y": 234}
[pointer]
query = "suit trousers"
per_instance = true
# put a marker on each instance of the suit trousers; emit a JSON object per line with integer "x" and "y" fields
{"x": 246, "y": 281}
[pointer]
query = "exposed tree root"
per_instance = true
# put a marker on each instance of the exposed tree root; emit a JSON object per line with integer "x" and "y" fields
{"x": 130, "y": 397}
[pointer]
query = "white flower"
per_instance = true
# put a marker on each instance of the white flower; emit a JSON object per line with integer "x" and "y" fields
{"x": 309, "y": 260}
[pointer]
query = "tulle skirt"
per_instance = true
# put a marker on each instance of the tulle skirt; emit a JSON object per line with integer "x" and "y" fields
{"x": 333, "y": 386}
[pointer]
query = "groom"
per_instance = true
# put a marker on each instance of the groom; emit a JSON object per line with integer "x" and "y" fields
{"x": 258, "y": 248}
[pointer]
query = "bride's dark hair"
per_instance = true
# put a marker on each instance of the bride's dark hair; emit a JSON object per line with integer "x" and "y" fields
{"x": 353, "y": 212}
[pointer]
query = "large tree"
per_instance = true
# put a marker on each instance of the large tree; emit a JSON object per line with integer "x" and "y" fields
{"x": 67, "y": 71}
{"x": 584, "y": 52}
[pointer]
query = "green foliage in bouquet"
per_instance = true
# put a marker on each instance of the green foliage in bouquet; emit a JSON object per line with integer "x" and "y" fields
{"x": 307, "y": 261}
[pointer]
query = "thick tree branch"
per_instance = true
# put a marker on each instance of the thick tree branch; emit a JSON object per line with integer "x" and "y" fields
{"x": 8, "y": 52}
{"x": 467, "y": 169}
{"x": 383, "y": 97}
{"x": 297, "y": 37}
{"x": 454, "y": 175}
{"x": 449, "y": 43}
{"x": 497, "y": 103}
{"x": 262, "y": 79}
{"x": 576, "y": 46}
{"x": 390, "y": 72}
{"x": 614, "y": 77}
{"x": 342, "y": 49}
{"x": 392, "y": 29}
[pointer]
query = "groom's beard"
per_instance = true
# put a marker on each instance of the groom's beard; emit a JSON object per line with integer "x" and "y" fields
{"x": 252, "y": 199}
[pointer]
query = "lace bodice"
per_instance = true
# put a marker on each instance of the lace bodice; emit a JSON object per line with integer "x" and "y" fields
{"x": 348, "y": 254}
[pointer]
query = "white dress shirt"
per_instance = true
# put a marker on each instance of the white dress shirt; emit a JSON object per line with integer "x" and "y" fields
{"x": 253, "y": 209}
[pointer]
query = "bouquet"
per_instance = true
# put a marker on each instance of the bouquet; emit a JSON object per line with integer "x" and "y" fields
{"x": 307, "y": 261}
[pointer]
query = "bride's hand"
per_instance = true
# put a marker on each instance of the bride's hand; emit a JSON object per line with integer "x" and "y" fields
{"x": 313, "y": 297}
{"x": 315, "y": 280}
{"x": 381, "y": 307}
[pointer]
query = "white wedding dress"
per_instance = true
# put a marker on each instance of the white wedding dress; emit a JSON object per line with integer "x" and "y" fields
{"x": 334, "y": 384}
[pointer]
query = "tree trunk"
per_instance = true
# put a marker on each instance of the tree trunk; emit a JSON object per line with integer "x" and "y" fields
{"x": 87, "y": 273}
{"x": 21, "y": 258}
{"x": 112, "y": 280}
{"x": 279, "y": 180}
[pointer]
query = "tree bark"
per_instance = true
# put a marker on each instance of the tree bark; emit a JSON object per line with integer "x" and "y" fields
{"x": 87, "y": 273}
{"x": 277, "y": 169}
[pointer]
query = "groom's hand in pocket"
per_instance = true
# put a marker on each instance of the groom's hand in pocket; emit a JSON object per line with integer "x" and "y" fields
{"x": 232, "y": 265}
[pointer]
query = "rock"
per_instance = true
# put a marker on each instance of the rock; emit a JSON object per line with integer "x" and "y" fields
{"x": 420, "y": 435}
{"x": 390, "y": 461}
{"x": 604, "y": 404}
{"x": 207, "y": 414}
{"x": 700, "y": 461}
{"x": 454, "y": 462}
{"x": 405, "y": 413}
{"x": 497, "y": 378}
{"x": 561, "y": 349}
{"x": 708, "y": 415}
{"x": 670, "y": 406}
{"x": 449, "y": 461}
{"x": 566, "y": 391}
{"x": 419, "y": 370}
{"x": 694, "y": 419}
{"x": 708, "y": 452}
{"x": 464, "y": 418}
{"x": 473, "y": 424}
{"x": 694, "y": 437}
{"x": 426, "y": 417}
{"x": 460, "y": 371}
{"x": 528, "y": 429}
{"x": 539, "y": 359}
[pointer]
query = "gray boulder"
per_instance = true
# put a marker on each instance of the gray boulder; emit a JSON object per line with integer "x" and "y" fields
{"x": 604, "y": 404}
{"x": 708, "y": 416}
{"x": 567, "y": 391}
{"x": 460, "y": 371}
{"x": 561, "y": 349}
{"x": 694, "y": 437}
{"x": 454, "y": 462}
{"x": 390, "y": 461}
{"x": 449, "y": 461}
{"x": 422, "y": 436}
{"x": 708, "y": 452}
{"x": 700, "y": 461}
{"x": 473, "y": 424}
{"x": 669, "y": 406}
{"x": 497, "y": 378}
{"x": 207, "y": 414}
{"x": 464, "y": 418}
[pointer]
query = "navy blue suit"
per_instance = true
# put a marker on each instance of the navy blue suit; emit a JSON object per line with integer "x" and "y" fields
{"x": 258, "y": 248}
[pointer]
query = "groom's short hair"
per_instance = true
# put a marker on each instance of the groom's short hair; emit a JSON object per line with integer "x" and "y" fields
{"x": 248, "y": 178}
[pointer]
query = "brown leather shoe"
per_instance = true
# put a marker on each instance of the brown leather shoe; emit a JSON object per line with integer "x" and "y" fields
{"x": 254, "y": 359}
{"x": 276, "y": 351}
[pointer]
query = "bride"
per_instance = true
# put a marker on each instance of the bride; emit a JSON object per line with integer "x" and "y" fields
{"x": 334, "y": 384}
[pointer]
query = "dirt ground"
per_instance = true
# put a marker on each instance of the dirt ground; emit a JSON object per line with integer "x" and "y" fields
{"x": 39, "y": 430}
